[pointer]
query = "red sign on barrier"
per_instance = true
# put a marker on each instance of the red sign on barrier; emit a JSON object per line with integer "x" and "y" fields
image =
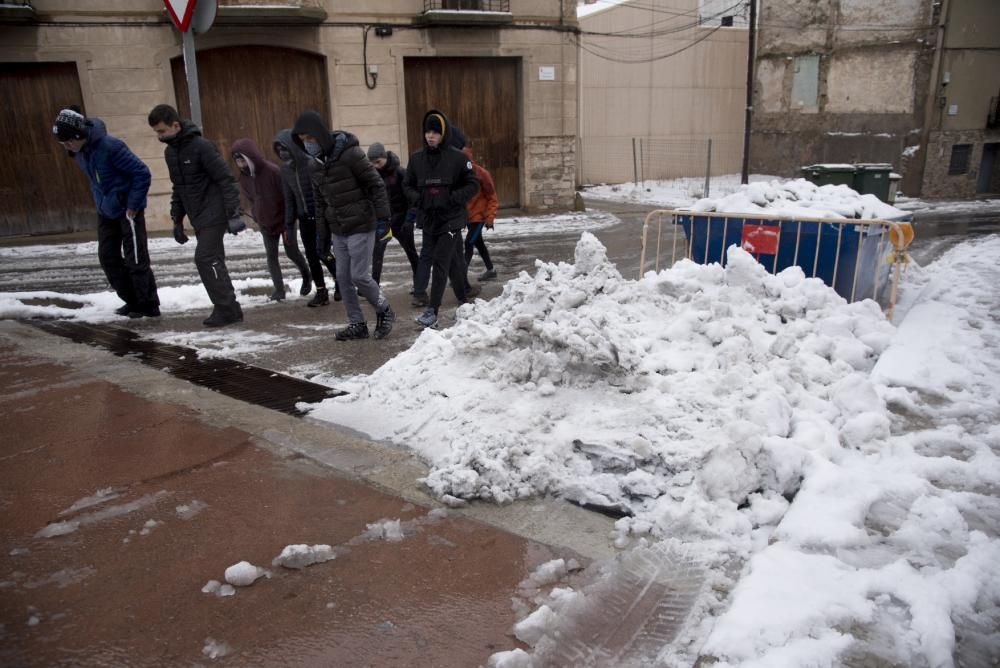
{"x": 760, "y": 239}
{"x": 180, "y": 12}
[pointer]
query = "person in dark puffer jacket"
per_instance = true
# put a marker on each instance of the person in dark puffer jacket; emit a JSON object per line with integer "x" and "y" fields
{"x": 439, "y": 182}
{"x": 298, "y": 192}
{"x": 260, "y": 180}
{"x": 119, "y": 182}
{"x": 393, "y": 175}
{"x": 204, "y": 191}
{"x": 351, "y": 199}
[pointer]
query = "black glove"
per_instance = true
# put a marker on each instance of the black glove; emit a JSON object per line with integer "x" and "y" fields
{"x": 236, "y": 225}
{"x": 179, "y": 235}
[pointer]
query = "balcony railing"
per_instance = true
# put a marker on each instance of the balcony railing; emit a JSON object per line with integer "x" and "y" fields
{"x": 467, "y": 5}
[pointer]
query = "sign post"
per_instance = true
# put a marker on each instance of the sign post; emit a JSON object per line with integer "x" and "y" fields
{"x": 189, "y": 22}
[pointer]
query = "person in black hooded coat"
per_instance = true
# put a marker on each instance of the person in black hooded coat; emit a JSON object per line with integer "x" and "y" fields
{"x": 204, "y": 191}
{"x": 298, "y": 190}
{"x": 350, "y": 198}
{"x": 439, "y": 182}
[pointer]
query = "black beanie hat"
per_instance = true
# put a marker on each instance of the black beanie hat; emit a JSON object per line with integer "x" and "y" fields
{"x": 434, "y": 122}
{"x": 70, "y": 124}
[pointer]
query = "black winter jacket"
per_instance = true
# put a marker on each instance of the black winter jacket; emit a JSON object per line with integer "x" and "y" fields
{"x": 296, "y": 182}
{"x": 393, "y": 176}
{"x": 204, "y": 188}
{"x": 349, "y": 193}
{"x": 439, "y": 182}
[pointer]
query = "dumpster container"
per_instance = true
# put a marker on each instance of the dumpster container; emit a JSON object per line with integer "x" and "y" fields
{"x": 824, "y": 175}
{"x": 846, "y": 254}
{"x": 872, "y": 178}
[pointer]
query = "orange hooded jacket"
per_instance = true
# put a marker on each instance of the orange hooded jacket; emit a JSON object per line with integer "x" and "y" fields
{"x": 483, "y": 207}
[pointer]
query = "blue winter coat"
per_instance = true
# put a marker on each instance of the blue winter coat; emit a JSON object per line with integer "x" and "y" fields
{"x": 118, "y": 179}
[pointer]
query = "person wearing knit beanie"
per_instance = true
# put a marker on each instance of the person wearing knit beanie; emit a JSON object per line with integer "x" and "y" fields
{"x": 70, "y": 124}
{"x": 376, "y": 152}
{"x": 119, "y": 183}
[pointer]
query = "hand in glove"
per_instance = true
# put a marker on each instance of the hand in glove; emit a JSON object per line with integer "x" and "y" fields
{"x": 179, "y": 235}
{"x": 489, "y": 224}
{"x": 383, "y": 232}
{"x": 236, "y": 225}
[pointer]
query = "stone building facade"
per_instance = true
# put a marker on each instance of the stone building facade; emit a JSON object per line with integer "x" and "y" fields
{"x": 893, "y": 81}
{"x": 504, "y": 70}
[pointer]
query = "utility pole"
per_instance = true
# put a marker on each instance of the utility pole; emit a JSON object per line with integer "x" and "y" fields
{"x": 751, "y": 49}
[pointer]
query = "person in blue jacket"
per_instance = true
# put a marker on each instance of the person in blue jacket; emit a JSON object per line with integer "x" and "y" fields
{"x": 119, "y": 182}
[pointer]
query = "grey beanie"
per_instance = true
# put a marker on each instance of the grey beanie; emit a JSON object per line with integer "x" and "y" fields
{"x": 376, "y": 151}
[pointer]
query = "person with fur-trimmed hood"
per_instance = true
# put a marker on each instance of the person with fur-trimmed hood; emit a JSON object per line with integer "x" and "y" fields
{"x": 298, "y": 190}
{"x": 119, "y": 182}
{"x": 260, "y": 181}
{"x": 350, "y": 198}
{"x": 439, "y": 182}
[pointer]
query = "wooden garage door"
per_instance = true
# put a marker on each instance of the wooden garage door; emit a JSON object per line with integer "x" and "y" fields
{"x": 253, "y": 91}
{"x": 481, "y": 96}
{"x": 41, "y": 188}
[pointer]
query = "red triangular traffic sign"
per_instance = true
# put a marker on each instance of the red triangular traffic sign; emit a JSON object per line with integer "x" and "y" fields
{"x": 180, "y": 12}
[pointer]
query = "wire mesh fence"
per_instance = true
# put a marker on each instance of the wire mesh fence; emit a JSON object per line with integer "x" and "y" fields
{"x": 639, "y": 159}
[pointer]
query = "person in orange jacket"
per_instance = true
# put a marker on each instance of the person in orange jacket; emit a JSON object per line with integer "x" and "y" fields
{"x": 482, "y": 211}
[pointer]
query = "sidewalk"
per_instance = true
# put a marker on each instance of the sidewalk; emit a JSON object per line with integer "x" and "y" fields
{"x": 179, "y": 491}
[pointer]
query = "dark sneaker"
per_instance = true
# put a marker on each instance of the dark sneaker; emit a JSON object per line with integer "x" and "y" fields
{"x": 356, "y": 330}
{"x": 277, "y": 296}
{"x": 126, "y": 309}
{"x": 321, "y": 298}
{"x": 151, "y": 311}
{"x": 384, "y": 323}
{"x": 428, "y": 319}
{"x": 472, "y": 291}
{"x": 419, "y": 300}
{"x": 336, "y": 293}
{"x": 222, "y": 318}
{"x": 306, "y": 288}
{"x": 488, "y": 275}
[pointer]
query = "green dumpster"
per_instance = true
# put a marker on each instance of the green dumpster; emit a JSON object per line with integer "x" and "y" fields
{"x": 823, "y": 175}
{"x": 872, "y": 178}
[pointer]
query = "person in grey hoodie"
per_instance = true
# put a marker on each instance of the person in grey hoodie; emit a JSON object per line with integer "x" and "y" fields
{"x": 350, "y": 198}
{"x": 299, "y": 205}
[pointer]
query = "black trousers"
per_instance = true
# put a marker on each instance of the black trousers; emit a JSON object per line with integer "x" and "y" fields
{"x": 307, "y": 230}
{"x": 446, "y": 262}
{"x": 474, "y": 241}
{"x": 210, "y": 259}
{"x": 123, "y": 251}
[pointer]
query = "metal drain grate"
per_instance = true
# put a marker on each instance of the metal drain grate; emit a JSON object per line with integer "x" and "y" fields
{"x": 234, "y": 379}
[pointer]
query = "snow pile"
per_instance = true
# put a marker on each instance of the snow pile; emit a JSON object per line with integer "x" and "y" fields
{"x": 387, "y": 530}
{"x": 890, "y": 557}
{"x": 300, "y": 556}
{"x": 801, "y": 199}
{"x": 219, "y": 589}
{"x": 671, "y": 193}
{"x": 688, "y": 387}
{"x": 733, "y": 414}
{"x": 244, "y": 574}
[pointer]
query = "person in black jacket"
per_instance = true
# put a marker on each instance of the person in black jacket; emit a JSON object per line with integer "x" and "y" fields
{"x": 393, "y": 175}
{"x": 351, "y": 199}
{"x": 298, "y": 189}
{"x": 439, "y": 181}
{"x": 204, "y": 191}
